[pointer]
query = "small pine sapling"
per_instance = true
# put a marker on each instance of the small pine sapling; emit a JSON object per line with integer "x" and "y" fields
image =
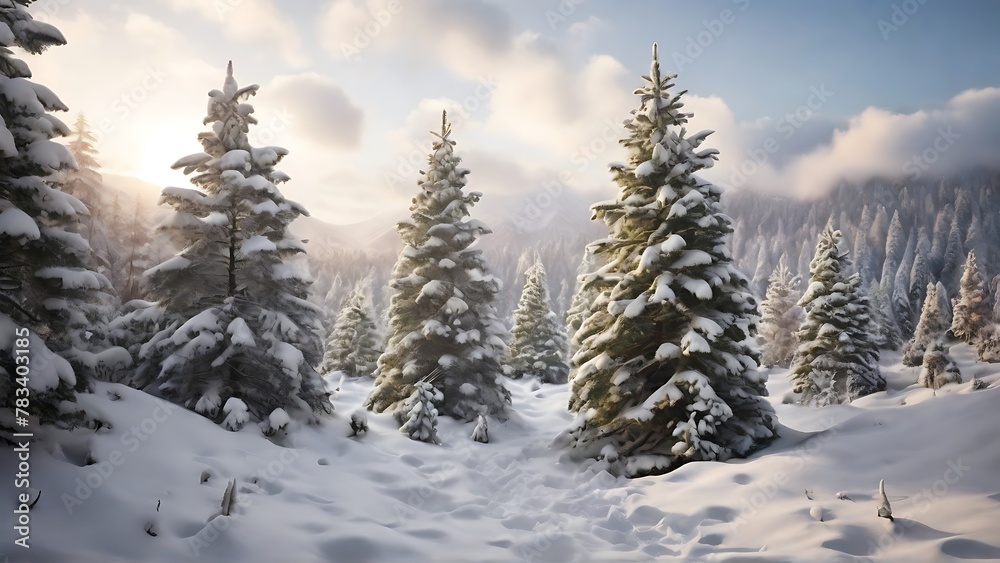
{"x": 481, "y": 432}
{"x": 229, "y": 498}
{"x": 884, "y": 510}
{"x": 359, "y": 422}
{"x": 938, "y": 369}
{"x": 419, "y": 413}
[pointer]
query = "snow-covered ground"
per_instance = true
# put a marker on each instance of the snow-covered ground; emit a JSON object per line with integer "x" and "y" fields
{"x": 318, "y": 495}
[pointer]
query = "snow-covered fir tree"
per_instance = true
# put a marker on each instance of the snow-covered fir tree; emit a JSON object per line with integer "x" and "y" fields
{"x": 781, "y": 317}
{"x": 902, "y": 307}
{"x": 935, "y": 319}
{"x": 920, "y": 276}
{"x": 938, "y": 369}
{"x": 47, "y": 289}
{"x": 954, "y": 257}
{"x": 995, "y": 290}
{"x": 887, "y": 333}
{"x": 538, "y": 343}
{"x": 355, "y": 343}
{"x": 971, "y": 312}
{"x": 667, "y": 368}
{"x": 418, "y": 415}
{"x": 895, "y": 246}
{"x": 481, "y": 433}
{"x": 988, "y": 345}
{"x": 837, "y": 358}
{"x": 85, "y": 183}
{"x": 579, "y": 307}
{"x": 236, "y": 320}
{"x": 135, "y": 255}
{"x": 442, "y": 314}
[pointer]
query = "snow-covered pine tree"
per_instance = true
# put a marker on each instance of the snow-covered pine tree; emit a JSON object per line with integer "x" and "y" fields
{"x": 237, "y": 323}
{"x": 938, "y": 369}
{"x": 988, "y": 345}
{"x": 837, "y": 348}
{"x": 862, "y": 251}
{"x": 887, "y": 333}
{"x": 442, "y": 314}
{"x": 971, "y": 312}
{"x": 418, "y": 415}
{"x": 995, "y": 290}
{"x": 47, "y": 289}
{"x": 85, "y": 183}
{"x": 902, "y": 307}
{"x": 355, "y": 343}
{"x": 135, "y": 255}
{"x": 762, "y": 272}
{"x": 538, "y": 343}
{"x": 781, "y": 317}
{"x": 935, "y": 319}
{"x": 579, "y": 308}
{"x": 954, "y": 254}
{"x": 667, "y": 368}
{"x": 920, "y": 276}
{"x": 939, "y": 238}
{"x": 481, "y": 433}
{"x": 895, "y": 246}
{"x": 877, "y": 234}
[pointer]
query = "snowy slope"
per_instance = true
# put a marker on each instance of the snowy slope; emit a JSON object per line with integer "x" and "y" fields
{"x": 319, "y": 495}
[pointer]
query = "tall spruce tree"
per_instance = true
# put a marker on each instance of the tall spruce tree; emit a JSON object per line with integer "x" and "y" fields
{"x": 837, "y": 359}
{"x": 538, "y": 340}
{"x": 935, "y": 319}
{"x": 887, "y": 333}
{"x": 937, "y": 368}
{"x": 85, "y": 183}
{"x": 355, "y": 342}
{"x": 442, "y": 318}
{"x": 47, "y": 287}
{"x": 237, "y": 323}
{"x": 579, "y": 307}
{"x": 902, "y": 307}
{"x": 954, "y": 254}
{"x": 971, "y": 313}
{"x": 781, "y": 317}
{"x": 667, "y": 369}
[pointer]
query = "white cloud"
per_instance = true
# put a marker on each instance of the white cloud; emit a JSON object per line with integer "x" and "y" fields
{"x": 146, "y": 107}
{"x": 261, "y": 22}
{"x": 314, "y": 108}
{"x": 960, "y": 137}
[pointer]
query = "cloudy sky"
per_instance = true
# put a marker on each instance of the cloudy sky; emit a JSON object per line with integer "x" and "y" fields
{"x": 801, "y": 95}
